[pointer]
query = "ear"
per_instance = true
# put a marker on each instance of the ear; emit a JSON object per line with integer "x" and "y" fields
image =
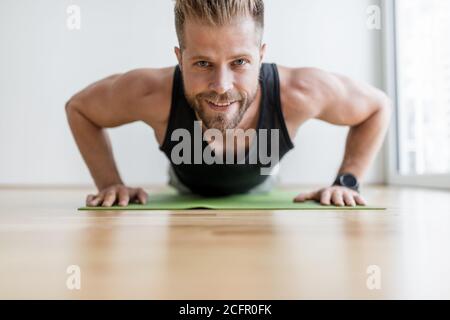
{"x": 262, "y": 52}
{"x": 179, "y": 55}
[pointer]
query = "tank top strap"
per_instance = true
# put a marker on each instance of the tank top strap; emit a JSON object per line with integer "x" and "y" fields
{"x": 273, "y": 115}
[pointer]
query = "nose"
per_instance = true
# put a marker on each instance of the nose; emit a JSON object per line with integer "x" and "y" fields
{"x": 222, "y": 81}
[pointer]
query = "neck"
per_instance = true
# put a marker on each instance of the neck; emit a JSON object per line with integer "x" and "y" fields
{"x": 251, "y": 116}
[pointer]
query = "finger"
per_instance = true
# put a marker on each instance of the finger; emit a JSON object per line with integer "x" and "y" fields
{"x": 96, "y": 200}
{"x": 336, "y": 198}
{"x": 360, "y": 200}
{"x": 301, "y": 197}
{"x": 110, "y": 198}
{"x": 124, "y": 197}
{"x": 142, "y": 196}
{"x": 304, "y": 196}
{"x": 89, "y": 199}
{"x": 348, "y": 199}
{"x": 325, "y": 197}
{"x": 133, "y": 192}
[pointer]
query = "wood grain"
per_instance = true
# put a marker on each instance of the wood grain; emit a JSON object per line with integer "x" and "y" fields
{"x": 224, "y": 254}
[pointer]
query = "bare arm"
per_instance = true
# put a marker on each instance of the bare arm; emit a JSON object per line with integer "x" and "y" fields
{"x": 366, "y": 110}
{"x": 111, "y": 102}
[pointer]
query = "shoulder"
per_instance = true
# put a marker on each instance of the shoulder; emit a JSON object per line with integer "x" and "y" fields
{"x": 149, "y": 91}
{"x": 303, "y": 90}
{"x": 314, "y": 93}
{"x": 141, "y": 83}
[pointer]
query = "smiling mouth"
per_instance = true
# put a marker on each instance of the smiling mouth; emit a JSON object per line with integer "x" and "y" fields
{"x": 220, "y": 106}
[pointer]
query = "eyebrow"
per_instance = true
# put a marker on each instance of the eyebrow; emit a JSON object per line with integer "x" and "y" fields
{"x": 247, "y": 55}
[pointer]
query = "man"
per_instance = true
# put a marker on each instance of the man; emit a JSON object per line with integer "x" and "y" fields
{"x": 221, "y": 81}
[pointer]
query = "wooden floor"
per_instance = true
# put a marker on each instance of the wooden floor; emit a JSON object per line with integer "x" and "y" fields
{"x": 225, "y": 254}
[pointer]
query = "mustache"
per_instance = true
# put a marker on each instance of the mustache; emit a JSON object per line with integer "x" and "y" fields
{"x": 221, "y": 98}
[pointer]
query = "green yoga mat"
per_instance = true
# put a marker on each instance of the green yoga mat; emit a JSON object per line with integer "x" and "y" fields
{"x": 275, "y": 200}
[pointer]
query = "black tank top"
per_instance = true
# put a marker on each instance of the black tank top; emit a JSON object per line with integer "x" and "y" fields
{"x": 225, "y": 179}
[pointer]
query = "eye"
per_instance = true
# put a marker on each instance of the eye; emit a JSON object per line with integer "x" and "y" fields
{"x": 202, "y": 64}
{"x": 240, "y": 62}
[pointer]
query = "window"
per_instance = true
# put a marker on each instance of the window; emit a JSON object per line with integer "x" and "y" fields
{"x": 420, "y": 81}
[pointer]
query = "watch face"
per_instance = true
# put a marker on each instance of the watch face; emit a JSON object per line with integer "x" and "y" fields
{"x": 349, "y": 180}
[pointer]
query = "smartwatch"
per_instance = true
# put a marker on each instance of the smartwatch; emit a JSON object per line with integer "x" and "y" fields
{"x": 347, "y": 180}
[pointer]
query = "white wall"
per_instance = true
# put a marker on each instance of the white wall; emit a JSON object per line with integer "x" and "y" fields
{"x": 42, "y": 64}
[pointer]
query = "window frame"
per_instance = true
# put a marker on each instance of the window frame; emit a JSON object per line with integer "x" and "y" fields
{"x": 393, "y": 177}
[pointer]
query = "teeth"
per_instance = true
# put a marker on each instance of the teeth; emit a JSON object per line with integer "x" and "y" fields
{"x": 221, "y": 104}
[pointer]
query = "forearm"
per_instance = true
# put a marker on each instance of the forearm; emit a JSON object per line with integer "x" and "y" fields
{"x": 95, "y": 148}
{"x": 364, "y": 141}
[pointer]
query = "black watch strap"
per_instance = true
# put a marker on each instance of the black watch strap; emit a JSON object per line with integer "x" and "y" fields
{"x": 347, "y": 180}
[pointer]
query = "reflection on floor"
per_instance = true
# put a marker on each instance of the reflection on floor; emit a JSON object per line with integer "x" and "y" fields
{"x": 402, "y": 252}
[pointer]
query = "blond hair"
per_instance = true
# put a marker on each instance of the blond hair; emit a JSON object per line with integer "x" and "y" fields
{"x": 217, "y": 13}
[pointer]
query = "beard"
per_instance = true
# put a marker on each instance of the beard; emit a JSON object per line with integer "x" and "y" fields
{"x": 221, "y": 121}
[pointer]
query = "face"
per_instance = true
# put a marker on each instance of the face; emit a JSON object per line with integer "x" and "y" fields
{"x": 220, "y": 68}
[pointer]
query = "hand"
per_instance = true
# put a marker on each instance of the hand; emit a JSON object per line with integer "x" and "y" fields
{"x": 119, "y": 194}
{"x": 335, "y": 195}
